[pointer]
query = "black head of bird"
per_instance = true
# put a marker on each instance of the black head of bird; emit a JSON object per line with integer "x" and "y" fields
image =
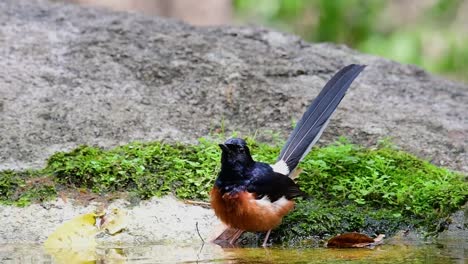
{"x": 235, "y": 154}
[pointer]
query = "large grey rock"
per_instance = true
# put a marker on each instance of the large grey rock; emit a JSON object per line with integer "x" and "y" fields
{"x": 150, "y": 221}
{"x": 71, "y": 75}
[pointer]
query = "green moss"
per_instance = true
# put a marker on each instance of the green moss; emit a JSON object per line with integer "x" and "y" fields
{"x": 380, "y": 190}
{"x": 22, "y": 188}
{"x": 149, "y": 169}
{"x": 380, "y": 177}
{"x": 315, "y": 219}
{"x": 350, "y": 188}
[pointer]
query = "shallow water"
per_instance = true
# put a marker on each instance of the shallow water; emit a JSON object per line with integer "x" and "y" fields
{"x": 442, "y": 251}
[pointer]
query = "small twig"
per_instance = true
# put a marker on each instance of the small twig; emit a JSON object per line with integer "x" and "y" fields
{"x": 197, "y": 203}
{"x": 198, "y": 232}
{"x": 199, "y": 252}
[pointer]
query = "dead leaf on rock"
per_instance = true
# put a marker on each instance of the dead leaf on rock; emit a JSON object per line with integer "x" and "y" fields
{"x": 354, "y": 240}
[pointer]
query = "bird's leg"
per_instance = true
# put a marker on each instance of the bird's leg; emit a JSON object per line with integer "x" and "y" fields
{"x": 266, "y": 238}
{"x": 236, "y": 236}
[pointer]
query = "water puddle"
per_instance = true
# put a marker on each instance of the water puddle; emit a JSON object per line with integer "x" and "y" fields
{"x": 440, "y": 252}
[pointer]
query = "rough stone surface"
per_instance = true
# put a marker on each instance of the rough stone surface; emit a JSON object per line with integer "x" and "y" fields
{"x": 71, "y": 75}
{"x": 153, "y": 221}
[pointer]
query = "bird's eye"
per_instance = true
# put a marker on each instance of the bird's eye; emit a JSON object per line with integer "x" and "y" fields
{"x": 241, "y": 150}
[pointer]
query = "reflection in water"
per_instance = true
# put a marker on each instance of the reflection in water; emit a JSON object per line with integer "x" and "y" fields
{"x": 442, "y": 252}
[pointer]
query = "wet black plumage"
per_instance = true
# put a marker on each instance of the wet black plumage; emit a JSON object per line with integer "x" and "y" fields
{"x": 239, "y": 172}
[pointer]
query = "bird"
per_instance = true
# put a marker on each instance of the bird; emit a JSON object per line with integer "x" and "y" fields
{"x": 254, "y": 196}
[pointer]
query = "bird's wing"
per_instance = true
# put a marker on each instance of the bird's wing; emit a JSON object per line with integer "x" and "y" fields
{"x": 274, "y": 186}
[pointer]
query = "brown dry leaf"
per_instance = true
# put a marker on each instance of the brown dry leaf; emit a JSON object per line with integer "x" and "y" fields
{"x": 354, "y": 240}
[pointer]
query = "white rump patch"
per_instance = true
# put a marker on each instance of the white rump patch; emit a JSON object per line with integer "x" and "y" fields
{"x": 280, "y": 167}
{"x": 265, "y": 201}
{"x": 281, "y": 202}
{"x": 275, "y": 206}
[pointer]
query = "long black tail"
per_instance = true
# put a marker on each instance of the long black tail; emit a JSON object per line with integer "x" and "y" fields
{"x": 309, "y": 129}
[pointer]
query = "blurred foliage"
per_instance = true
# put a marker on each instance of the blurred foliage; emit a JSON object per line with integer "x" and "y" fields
{"x": 432, "y": 38}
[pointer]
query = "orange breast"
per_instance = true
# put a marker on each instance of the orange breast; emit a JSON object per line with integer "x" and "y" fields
{"x": 244, "y": 212}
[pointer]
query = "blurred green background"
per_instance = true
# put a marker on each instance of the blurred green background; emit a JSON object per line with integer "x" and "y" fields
{"x": 430, "y": 33}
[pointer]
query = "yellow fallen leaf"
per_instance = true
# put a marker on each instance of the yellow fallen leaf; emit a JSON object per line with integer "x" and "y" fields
{"x": 77, "y": 232}
{"x": 74, "y": 241}
{"x": 114, "y": 221}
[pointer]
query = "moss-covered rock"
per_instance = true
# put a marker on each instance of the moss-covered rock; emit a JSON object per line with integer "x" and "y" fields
{"x": 23, "y": 187}
{"x": 375, "y": 191}
{"x": 350, "y": 188}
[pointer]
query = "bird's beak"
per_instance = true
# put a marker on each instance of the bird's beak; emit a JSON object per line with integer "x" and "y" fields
{"x": 224, "y": 147}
